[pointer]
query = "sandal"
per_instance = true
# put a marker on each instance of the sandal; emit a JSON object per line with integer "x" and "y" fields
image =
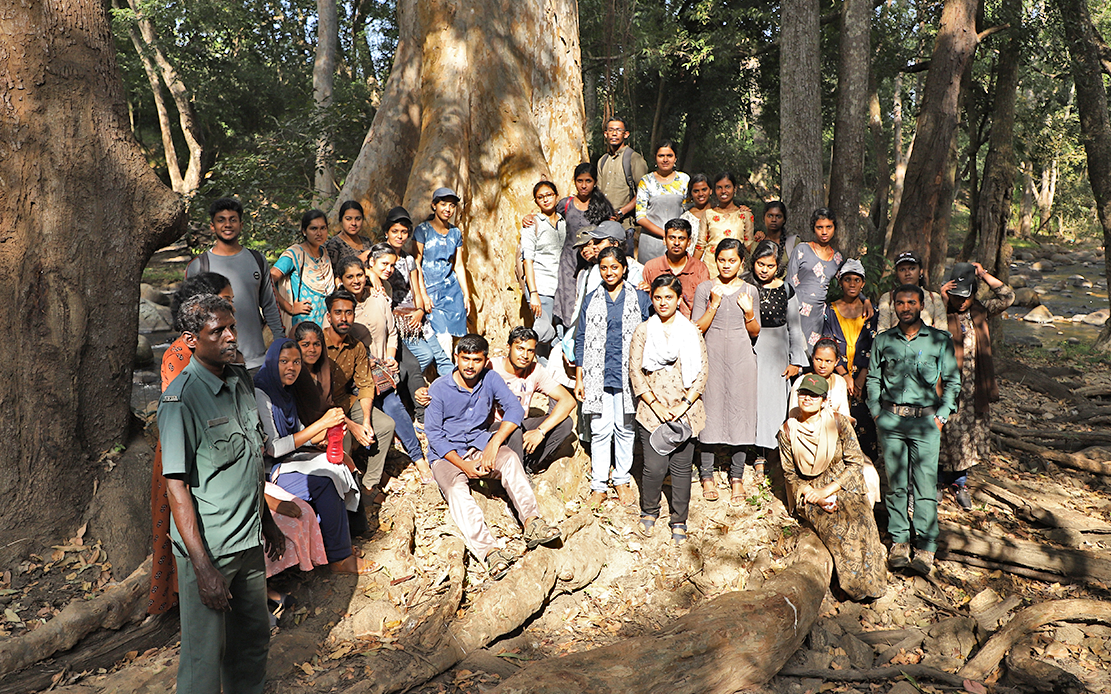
{"x": 709, "y": 491}
{"x": 737, "y": 498}
{"x": 679, "y": 533}
{"x": 758, "y": 469}
{"x": 424, "y": 471}
{"x": 625, "y": 495}
{"x": 596, "y": 499}
{"x": 353, "y": 565}
{"x": 497, "y": 564}
{"x": 646, "y": 525}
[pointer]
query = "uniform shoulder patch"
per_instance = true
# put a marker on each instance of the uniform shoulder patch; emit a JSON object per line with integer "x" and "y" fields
{"x": 171, "y": 398}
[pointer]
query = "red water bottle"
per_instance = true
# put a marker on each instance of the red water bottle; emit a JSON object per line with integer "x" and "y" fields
{"x": 335, "y": 444}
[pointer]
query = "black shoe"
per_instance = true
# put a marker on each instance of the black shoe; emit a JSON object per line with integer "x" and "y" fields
{"x": 899, "y": 557}
{"x": 963, "y": 498}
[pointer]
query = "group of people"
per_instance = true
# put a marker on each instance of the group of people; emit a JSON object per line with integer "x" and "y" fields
{"x": 659, "y": 314}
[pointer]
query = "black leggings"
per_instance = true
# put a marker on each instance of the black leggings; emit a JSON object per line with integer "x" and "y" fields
{"x": 737, "y": 455}
{"x": 656, "y": 467}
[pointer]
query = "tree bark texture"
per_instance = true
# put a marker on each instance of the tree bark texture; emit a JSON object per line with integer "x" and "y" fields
{"x": 846, "y": 179}
{"x": 937, "y": 123}
{"x": 800, "y": 116}
{"x": 485, "y": 98}
{"x": 994, "y": 210}
{"x": 1084, "y": 42}
{"x": 880, "y": 145}
{"x": 736, "y": 641}
{"x": 80, "y": 213}
{"x": 187, "y": 117}
{"x": 901, "y": 157}
{"x": 323, "y": 77}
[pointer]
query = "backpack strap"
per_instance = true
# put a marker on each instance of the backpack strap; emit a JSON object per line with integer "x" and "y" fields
{"x": 627, "y": 165}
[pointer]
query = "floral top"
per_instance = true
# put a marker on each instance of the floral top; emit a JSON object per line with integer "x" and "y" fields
{"x": 810, "y": 275}
{"x": 660, "y": 202}
{"x": 718, "y": 224}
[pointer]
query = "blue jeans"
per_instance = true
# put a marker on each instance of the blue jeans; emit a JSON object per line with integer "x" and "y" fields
{"x": 616, "y": 426}
{"x": 428, "y": 351}
{"x": 390, "y": 403}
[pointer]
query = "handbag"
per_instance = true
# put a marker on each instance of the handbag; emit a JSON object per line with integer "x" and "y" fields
{"x": 384, "y": 381}
{"x": 405, "y": 329}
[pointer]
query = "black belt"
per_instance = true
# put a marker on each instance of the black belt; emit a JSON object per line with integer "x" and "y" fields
{"x": 908, "y": 410}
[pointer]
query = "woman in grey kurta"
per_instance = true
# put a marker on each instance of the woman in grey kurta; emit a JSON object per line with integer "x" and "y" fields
{"x": 812, "y": 265}
{"x": 780, "y": 351}
{"x": 725, "y": 310}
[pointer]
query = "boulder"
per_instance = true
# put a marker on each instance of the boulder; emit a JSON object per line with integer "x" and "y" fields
{"x": 1018, "y": 281}
{"x": 151, "y": 294}
{"x": 1078, "y": 280}
{"x": 1098, "y": 318}
{"x": 153, "y": 317}
{"x": 1024, "y": 255}
{"x": 1043, "y": 266}
{"x": 1064, "y": 259}
{"x": 1027, "y": 297}
{"x": 1038, "y": 314}
{"x": 144, "y": 354}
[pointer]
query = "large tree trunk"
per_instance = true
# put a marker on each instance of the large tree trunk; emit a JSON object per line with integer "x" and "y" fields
{"x": 901, "y": 157}
{"x": 846, "y": 178}
{"x": 937, "y": 123}
{"x": 485, "y": 98}
{"x": 800, "y": 115}
{"x": 878, "y": 212}
{"x": 1095, "y": 124}
{"x": 187, "y": 117}
{"x": 323, "y": 76}
{"x": 80, "y": 213}
{"x": 994, "y": 210}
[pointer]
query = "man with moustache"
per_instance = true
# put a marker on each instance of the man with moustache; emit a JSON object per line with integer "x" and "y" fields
{"x": 212, "y": 441}
{"x": 908, "y": 361}
{"x": 458, "y": 423}
{"x": 350, "y": 371}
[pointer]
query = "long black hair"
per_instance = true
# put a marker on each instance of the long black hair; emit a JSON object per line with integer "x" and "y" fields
{"x": 598, "y": 209}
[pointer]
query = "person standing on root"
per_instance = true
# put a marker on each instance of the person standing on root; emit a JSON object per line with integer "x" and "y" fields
{"x": 908, "y": 363}
{"x": 813, "y": 264}
{"x": 303, "y": 274}
{"x": 780, "y": 351}
{"x": 691, "y": 272}
{"x": 212, "y": 442}
{"x": 725, "y": 220}
{"x": 661, "y": 196}
{"x": 823, "y": 470}
{"x": 541, "y": 247}
{"x": 668, "y": 371}
{"x": 349, "y": 242}
{"x": 538, "y": 439}
{"x": 725, "y": 313}
{"x": 249, "y": 274}
{"x": 605, "y": 328}
{"x": 440, "y": 257}
{"x": 467, "y": 443}
{"x": 965, "y": 438}
{"x": 619, "y": 170}
{"x": 775, "y": 217}
{"x": 700, "y": 196}
{"x": 908, "y": 270}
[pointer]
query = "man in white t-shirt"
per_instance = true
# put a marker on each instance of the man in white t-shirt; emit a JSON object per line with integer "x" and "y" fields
{"x": 538, "y": 439}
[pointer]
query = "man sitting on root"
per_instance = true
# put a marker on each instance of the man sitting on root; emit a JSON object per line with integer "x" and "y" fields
{"x": 458, "y": 423}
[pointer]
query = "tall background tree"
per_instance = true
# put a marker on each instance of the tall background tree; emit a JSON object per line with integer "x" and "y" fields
{"x": 81, "y": 212}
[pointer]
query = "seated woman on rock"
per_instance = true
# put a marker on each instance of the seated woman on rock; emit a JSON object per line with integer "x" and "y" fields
{"x": 822, "y": 464}
{"x": 296, "y": 465}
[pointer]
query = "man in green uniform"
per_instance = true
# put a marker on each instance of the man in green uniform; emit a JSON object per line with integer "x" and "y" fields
{"x": 212, "y": 459}
{"x": 907, "y": 363}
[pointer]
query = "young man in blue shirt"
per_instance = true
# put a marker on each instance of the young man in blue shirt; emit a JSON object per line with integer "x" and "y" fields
{"x": 458, "y": 423}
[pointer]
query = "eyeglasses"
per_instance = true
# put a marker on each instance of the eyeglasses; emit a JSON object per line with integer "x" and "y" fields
{"x": 615, "y": 130}
{"x": 545, "y": 196}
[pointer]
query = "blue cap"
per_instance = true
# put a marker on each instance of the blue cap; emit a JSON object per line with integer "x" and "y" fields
{"x": 444, "y": 194}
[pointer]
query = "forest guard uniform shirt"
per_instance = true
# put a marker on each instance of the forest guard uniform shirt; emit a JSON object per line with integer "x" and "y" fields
{"x": 212, "y": 440}
{"x": 906, "y": 372}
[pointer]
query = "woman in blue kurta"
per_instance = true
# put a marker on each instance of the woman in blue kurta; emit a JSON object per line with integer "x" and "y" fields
{"x": 438, "y": 244}
{"x": 812, "y": 266}
{"x": 303, "y": 274}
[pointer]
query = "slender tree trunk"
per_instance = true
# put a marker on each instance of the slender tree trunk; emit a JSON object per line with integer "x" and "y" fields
{"x": 800, "y": 116}
{"x": 901, "y": 157}
{"x": 1083, "y": 42}
{"x": 846, "y": 178}
{"x": 1029, "y": 192}
{"x": 80, "y": 213}
{"x": 173, "y": 168}
{"x": 183, "y": 101}
{"x": 994, "y": 210}
{"x": 1046, "y": 192}
{"x": 878, "y": 212}
{"x": 657, "y": 114}
{"x": 484, "y": 97}
{"x": 939, "y": 228}
{"x": 323, "y": 75}
{"x": 938, "y": 118}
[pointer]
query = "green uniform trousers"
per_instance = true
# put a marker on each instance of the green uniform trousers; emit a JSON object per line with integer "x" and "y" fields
{"x": 225, "y": 647}
{"x": 910, "y": 450}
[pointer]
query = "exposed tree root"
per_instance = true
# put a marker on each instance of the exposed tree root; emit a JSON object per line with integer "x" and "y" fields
{"x": 1028, "y": 620}
{"x": 1077, "y": 564}
{"x": 1049, "y": 516}
{"x": 737, "y": 640}
{"x": 1070, "y": 460}
{"x": 879, "y": 674}
{"x": 112, "y": 609}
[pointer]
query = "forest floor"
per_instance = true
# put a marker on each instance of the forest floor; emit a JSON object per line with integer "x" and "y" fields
{"x": 330, "y": 637}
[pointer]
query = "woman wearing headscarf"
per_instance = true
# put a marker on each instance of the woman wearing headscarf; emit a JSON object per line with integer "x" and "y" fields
{"x": 964, "y": 438}
{"x": 295, "y": 464}
{"x": 822, "y": 466}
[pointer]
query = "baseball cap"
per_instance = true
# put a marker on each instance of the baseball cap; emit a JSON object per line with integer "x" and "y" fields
{"x": 398, "y": 214}
{"x": 609, "y": 229}
{"x": 852, "y": 266}
{"x": 444, "y": 194}
{"x": 813, "y": 384}
{"x": 964, "y": 274}
{"x": 585, "y": 236}
{"x": 669, "y": 436}
{"x": 907, "y": 257}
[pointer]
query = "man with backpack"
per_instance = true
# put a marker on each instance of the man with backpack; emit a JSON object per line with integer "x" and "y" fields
{"x": 619, "y": 171}
{"x": 249, "y": 274}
